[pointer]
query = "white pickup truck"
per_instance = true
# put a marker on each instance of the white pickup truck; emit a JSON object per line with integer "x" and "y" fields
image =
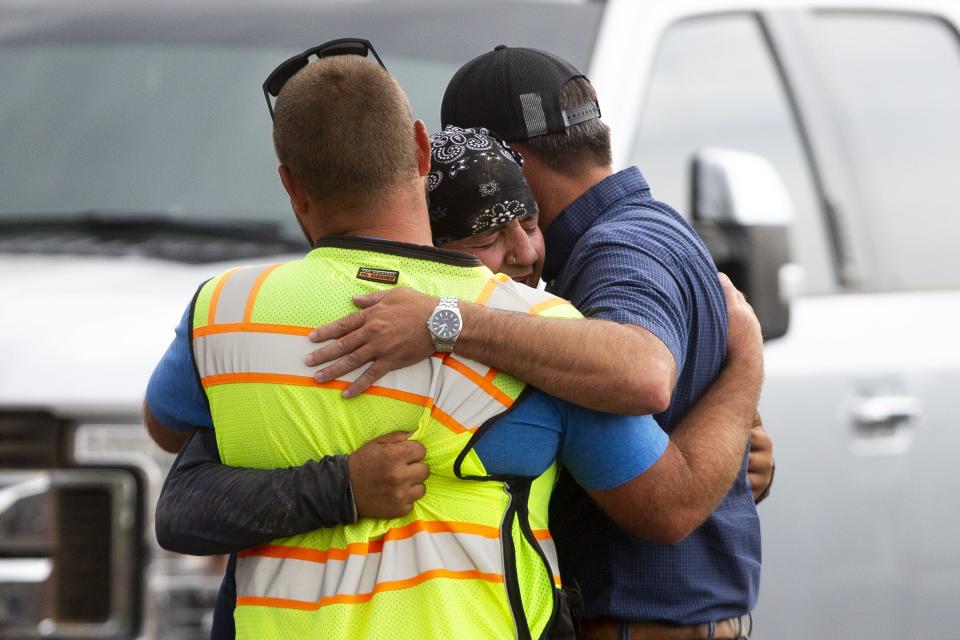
{"x": 815, "y": 145}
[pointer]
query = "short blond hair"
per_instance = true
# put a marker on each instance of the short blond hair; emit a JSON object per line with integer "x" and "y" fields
{"x": 343, "y": 127}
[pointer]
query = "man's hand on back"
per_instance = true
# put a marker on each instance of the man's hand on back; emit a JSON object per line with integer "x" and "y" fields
{"x": 389, "y": 331}
{"x": 744, "y": 338}
{"x": 760, "y": 464}
{"x": 387, "y": 476}
{"x": 745, "y": 344}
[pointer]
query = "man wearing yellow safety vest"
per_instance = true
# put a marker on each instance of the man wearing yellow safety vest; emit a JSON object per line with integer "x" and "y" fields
{"x": 473, "y": 557}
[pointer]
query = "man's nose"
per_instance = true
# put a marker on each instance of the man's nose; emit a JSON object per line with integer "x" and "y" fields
{"x": 520, "y": 249}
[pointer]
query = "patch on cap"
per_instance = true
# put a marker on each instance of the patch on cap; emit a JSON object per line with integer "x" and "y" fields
{"x": 533, "y": 115}
{"x": 514, "y": 92}
{"x": 383, "y": 276}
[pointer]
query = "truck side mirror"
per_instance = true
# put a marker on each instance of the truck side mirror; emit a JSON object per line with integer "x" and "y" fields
{"x": 743, "y": 212}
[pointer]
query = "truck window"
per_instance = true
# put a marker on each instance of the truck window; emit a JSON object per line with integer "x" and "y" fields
{"x": 895, "y": 83}
{"x": 159, "y": 110}
{"x": 715, "y": 83}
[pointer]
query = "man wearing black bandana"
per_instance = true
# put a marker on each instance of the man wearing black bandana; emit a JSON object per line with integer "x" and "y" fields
{"x": 480, "y": 203}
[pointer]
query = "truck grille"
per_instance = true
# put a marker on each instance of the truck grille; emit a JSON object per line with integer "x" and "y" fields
{"x": 30, "y": 440}
{"x": 68, "y": 537}
{"x": 82, "y": 577}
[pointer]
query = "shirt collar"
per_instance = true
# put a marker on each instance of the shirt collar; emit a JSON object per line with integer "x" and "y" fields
{"x": 402, "y": 249}
{"x": 580, "y": 215}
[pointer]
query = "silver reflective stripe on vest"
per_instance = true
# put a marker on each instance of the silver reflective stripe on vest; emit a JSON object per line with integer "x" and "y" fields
{"x": 264, "y": 353}
{"x": 280, "y": 354}
{"x": 236, "y": 290}
{"x": 401, "y": 563}
{"x": 220, "y": 356}
{"x": 477, "y": 367}
{"x": 550, "y": 550}
{"x": 511, "y": 297}
{"x": 534, "y": 297}
{"x": 464, "y": 401}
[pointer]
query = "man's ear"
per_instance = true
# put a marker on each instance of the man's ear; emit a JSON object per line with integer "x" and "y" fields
{"x": 298, "y": 195}
{"x": 524, "y": 152}
{"x": 423, "y": 147}
{"x": 539, "y": 181}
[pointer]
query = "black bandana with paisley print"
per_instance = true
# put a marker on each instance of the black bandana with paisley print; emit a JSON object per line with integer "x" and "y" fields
{"x": 475, "y": 184}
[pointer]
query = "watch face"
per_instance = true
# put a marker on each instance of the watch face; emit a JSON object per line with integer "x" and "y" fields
{"x": 445, "y": 324}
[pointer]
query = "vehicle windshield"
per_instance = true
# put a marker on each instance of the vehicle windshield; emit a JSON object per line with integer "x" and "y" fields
{"x": 164, "y": 113}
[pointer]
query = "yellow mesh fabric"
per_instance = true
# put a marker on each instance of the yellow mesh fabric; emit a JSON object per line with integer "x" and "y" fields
{"x": 294, "y": 423}
{"x": 202, "y": 305}
{"x": 392, "y": 615}
{"x": 334, "y": 271}
{"x": 268, "y": 425}
{"x": 540, "y": 499}
{"x": 536, "y": 583}
{"x": 472, "y": 465}
{"x": 509, "y": 385}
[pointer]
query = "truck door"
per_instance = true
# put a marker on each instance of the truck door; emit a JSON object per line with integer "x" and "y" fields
{"x": 857, "y": 535}
{"x": 892, "y": 82}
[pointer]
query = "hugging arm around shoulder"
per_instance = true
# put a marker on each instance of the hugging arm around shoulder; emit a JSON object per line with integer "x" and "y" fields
{"x": 208, "y": 508}
{"x": 699, "y": 465}
{"x": 578, "y": 360}
{"x": 623, "y": 359}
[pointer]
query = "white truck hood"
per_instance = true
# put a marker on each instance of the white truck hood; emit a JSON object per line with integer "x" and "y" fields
{"x": 81, "y": 335}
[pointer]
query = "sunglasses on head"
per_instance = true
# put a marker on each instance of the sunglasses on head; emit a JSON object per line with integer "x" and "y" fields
{"x": 288, "y": 68}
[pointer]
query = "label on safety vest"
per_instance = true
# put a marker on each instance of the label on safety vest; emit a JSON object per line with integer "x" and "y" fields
{"x": 378, "y": 275}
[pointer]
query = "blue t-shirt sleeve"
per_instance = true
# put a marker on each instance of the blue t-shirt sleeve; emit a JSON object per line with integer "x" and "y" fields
{"x": 630, "y": 284}
{"x": 174, "y": 395}
{"x": 525, "y": 440}
{"x": 604, "y": 450}
{"x": 601, "y": 450}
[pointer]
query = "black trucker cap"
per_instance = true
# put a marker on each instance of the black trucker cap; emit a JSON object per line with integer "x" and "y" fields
{"x": 514, "y": 92}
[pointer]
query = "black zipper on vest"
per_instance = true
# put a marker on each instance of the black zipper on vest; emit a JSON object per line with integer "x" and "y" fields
{"x": 511, "y": 580}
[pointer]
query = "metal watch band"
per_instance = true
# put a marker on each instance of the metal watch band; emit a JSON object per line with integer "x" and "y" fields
{"x": 443, "y": 345}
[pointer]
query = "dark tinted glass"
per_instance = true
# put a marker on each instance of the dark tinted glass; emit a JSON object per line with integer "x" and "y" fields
{"x": 146, "y": 109}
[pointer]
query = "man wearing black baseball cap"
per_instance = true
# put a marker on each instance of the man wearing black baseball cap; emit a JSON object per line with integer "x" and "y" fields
{"x": 515, "y": 92}
{"x": 622, "y": 256}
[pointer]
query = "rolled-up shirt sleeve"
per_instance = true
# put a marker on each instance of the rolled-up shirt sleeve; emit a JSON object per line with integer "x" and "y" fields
{"x": 604, "y": 450}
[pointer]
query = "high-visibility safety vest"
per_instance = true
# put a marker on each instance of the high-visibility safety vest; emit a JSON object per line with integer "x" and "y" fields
{"x": 474, "y": 558}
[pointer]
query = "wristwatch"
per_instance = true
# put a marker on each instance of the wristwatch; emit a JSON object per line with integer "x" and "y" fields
{"x": 445, "y": 324}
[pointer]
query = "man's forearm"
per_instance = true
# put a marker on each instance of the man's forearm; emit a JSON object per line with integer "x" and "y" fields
{"x": 208, "y": 508}
{"x": 675, "y": 496}
{"x": 713, "y": 436}
{"x": 596, "y": 364}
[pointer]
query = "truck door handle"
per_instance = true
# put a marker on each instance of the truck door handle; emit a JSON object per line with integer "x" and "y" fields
{"x": 886, "y": 411}
{"x": 883, "y": 425}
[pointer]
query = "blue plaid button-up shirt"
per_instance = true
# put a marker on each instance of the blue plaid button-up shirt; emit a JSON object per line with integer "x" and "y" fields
{"x": 619, "y": 254}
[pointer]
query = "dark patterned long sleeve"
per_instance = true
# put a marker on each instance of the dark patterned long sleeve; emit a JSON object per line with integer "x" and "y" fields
{"x": 208, "y": 508}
